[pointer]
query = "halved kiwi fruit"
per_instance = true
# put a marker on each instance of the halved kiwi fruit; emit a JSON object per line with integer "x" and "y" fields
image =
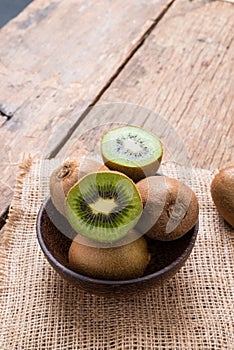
{"x": 103, "y": 206}
{"x": 64, "y": 177}
{"x": 170, "y": 208}
{"x": 132, "y": 151}
{"x": 222, "y": 191}
{"x": 117, "y": 263}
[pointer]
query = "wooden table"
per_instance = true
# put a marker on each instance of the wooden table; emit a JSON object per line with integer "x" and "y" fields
{"x": 59, "y": 57}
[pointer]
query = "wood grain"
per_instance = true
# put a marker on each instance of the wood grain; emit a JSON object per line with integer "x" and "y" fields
{"x": 183, "y": 76}
{"x": 56, "y": 57}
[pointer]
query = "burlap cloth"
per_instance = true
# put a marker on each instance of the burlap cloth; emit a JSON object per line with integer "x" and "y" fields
{"x": 39, "y": 310}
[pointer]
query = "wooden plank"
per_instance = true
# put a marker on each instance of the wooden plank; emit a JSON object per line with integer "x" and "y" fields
{"x": 184, "y": 73}
{"x": 55, "y": 58}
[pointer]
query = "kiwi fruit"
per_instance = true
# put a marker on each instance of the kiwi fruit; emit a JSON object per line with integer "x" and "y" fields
{"x": 103, "y": 206}
{"x": 64, "y": 177}
{"x": 118, "y": 263}
{"x": 222, "y": 192}
{"x": 170, "y": 208}
{"x": 132, "y": 151}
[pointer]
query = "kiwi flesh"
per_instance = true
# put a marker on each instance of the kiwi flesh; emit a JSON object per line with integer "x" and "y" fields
{"x": 64, "y": 178}
{"x": 132, "y": 151}
{"x": 118, "y": 263}
{"x": 170, "y": 208}
{"x": 103, "y": 206}
{"x": 222, "y": 192}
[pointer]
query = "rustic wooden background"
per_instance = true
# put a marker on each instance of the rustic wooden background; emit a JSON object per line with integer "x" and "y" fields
{"x": 173, "y": 58}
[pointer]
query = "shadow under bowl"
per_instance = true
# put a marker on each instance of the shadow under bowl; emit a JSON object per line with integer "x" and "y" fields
{"x": 166, "y": 257}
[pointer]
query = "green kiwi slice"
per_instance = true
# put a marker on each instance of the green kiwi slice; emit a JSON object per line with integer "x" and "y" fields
{"x": 104, "y": 206}
{"x": 132, "y": 151}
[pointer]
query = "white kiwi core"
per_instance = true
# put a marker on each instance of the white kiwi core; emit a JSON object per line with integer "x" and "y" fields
{"x": 105, "y": 206}
{"x": 132, "y": 146}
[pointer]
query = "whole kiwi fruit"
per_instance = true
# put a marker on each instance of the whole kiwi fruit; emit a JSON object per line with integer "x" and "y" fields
{"x": 64, "y": 177}
{"x": 170, "y": 208}
{"x": 132, "y": 150}
{"x": 222, "y": 192}
{"x": 118, "y": 263}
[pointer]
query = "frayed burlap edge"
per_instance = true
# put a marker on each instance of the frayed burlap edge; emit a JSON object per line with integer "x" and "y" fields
{"x": 14, "y": 216}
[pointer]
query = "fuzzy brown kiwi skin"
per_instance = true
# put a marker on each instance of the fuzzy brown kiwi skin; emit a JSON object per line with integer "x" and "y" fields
{"x": 66, "y": 176}
{"x": 135, "y": 173}
{"x": 166, "y": 201}
{"x": 222, "y": 192}
{"x": 117, "y": 263}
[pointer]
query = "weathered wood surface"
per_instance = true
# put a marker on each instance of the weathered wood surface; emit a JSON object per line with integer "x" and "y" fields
{"x": 184, "y": 73}
{"x": 56, "y": 58}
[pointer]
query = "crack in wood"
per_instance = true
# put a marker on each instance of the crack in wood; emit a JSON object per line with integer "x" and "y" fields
{"x": 4, "y": 112}
{"x": 6, "y": 115}
{"x": 3, "y": 218}
{"x": 138, "y": 45}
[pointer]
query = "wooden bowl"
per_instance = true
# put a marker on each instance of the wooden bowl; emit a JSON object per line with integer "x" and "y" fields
{"x": 167, "y": 257}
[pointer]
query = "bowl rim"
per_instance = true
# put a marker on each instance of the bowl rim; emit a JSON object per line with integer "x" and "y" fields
{"x": 177, "y": 262}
